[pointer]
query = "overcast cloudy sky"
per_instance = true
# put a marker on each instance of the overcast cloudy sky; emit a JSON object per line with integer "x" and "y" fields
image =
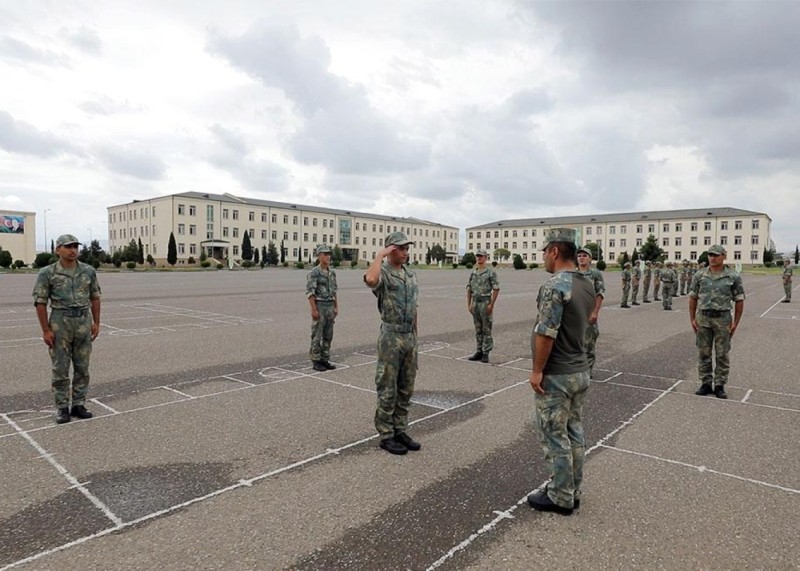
{"x": 462, "y": 111}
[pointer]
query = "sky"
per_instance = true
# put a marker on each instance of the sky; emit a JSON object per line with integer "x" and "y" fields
{"x": 462, "y": 112}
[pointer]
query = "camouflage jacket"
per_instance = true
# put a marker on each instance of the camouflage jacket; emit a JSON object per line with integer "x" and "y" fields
{"x": 321, "y": 285}
{"x": 482, "y": 282}
{"x": 636, "y": 273}
{"x": 657, "y": 273}
{"x": 787, "y": 274}
{"x": 397, "y": 292}
{"x": 668, "y": 276}
{"x": 626, "y": 276}
{"x": 596, "y": 276}
{"x": 647, "y": 272}
{"x": 64, "y": 289}
{"x": 716, "y": 290}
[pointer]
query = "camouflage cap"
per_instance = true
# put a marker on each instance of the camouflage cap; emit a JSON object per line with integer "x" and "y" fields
{"x": 323, "y": 249}
{"x": 685, "y": 262}
{"x": 66, "y": 239}
{"x": 626, "y": 265}
{"x": 670, "y": 263}
{"x": 648, "y": 263}
{"x": 559, "y": 235}
{"x": 397, "y": 239}
{"x": 482, "y": 252}
{"x": 717, "y": 250}
{"x": 787, "y": 261}
{"x": 585, "y": 250}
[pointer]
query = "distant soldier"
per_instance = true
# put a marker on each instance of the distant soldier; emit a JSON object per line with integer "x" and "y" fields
{"x": 395, "y": 286}
{"x": 596, "y": 276}
{"x": 636, "y": 278}
{"x": 657, "y": 280}
{"x": 626, "y": 285}
{"x": 669, "y": 281}
{"x": 648, "y": 273}
{"x": 73, "y": 291}
{"x": 483, "y": 288}
{"x": 685, "y": 277}
{"x": 710, "y": 295}
{"x": 321, "y": 293}
{"x": 787, "y": 280}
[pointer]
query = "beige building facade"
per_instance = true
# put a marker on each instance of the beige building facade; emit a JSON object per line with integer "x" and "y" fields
{"x": 18, "y": 234}
{"x": 216, "y": 223}
{"x": 682, "y": 234}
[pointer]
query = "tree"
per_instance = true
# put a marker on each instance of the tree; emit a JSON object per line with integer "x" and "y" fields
{"x": 502, "y": 254}
{"x": 283, "y": 253}
{"x": 438, "y": 253}
{"x": 5, "y": 259}
{"x": 623, "y": 258}
{"x": 518, "y": 263}
{"x": 264, "y": 255}
{"x": 130, "y": 252}
{"x": 634, "y": 256}
{"x": 52, "y": 247}
{"x": 703, "y": 259}
{"x": 203, "y": 255}
{"x": 797, "y": 255}
{"x": 272, "y": 257}
{"x": 151, "y": 260}
{"x": 172, "y": 250}
{"x": 336, "y": 255}
{"x": 651, "y": 251}
{"x": 140, "y": 253}
{"x": 255, "y": 255}
{"x": 469, "y": 258}
{"x": 247, "y": 247}
{"x": 44, "y": 259}
{"x": 428, "y": 257}
{"x": 768, "y": 256}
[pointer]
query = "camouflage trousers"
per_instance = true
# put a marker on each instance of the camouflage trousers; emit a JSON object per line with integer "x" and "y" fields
{"x": 713, "y": 337}
{"x": 667, "y": 293}
{"x": 787, "y": 290}
{"x": 634, "y": 292}
{"x": 558, "y": 416}
{"x": 645, "y": 289}
{"x": 656, "y": 288}
{"x": 73, "y": 345}
{"x": 626, "y": 290}
{"x": 684, "y": 285}
{"x": 394, "y": 380}
{"x": 483, "y": 325}
{"x": 322, "y": 332}
{"x": 589, "y": 341}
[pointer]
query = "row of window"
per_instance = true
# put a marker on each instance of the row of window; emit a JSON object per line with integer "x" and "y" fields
{"x": 142, "y": 214}
{"x": 623, "y": 242}
{"x": 693, "y": 255}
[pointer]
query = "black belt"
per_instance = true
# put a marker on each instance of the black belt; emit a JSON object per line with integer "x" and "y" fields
{"x": 398, "y": 327}
{"x": 715, "y": 312}
{"x": 324, "y": 301}
{"x": 72, "y": 311}
{"x": 482, "y": 297}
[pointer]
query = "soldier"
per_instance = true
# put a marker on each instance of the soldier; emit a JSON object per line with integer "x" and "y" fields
{"x": 685, "y": 277}
{"x": 626, "y": 285}
{"x": 482, "y": 291}
{"x": 321, "y": 293}
{"x": 560, "y": 374}
{"x": 636, "y": 277}
{"x": 669, "y": 281}
{"x": 593, "y": 330}
{"x": 657, "y": 280}
{"x": 648, "y": 272}
{"x": 710, "y": 296}
{"x": 787, "y": 280}
{"x": 73, "y": 291}
{"x": 395, "y": 286}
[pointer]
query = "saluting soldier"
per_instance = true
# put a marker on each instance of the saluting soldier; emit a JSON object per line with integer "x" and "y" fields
{"x": 657, "y": 280}
{"x": 321, "y": 293}
{"x": 710, "y": 296}
{"x": 636, "y": 277}
{"x": 593, "y": 330}
{"x": 483, "y": 288}
{"x": 648, "y": 273}
{"x": 787, "y": 280}
{"x": 72, "y": 289}
{"x": 626, "y": 285}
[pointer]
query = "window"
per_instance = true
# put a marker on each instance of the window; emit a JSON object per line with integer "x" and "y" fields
{"x": 754, "y": 255}
{"x": 623, "y": 242}
{"x": 723, "y": 240}
{"x": 263, "y": 234}
{"x": 294, "y": 220}
{"x": 723, "y": 225}
{"x": 235, "y": 250}
{"x": 514, "y": 234}
{"x": 678, "y": 241}
{"x": 192, "y": 229}
{"x": 345, "y": 225}
{"x": 285, "y": 235}
{"x": 236, "y": 215}
{"x": 305, "y": 221}
{"x": 263, "y": 217}
{"x": 706, "y": 240}
{"x": 665, "y": 241}
{"x": 274, "y": 235}
{"x": 623, "y": 229}
{"x": 612, "y": 229}
{"x": 737, "y": 240}
{"x": 514, "y": 245}
{"x": 737, "y": 224}
{"x": 225, "y": 213}
{"x": 707, "y": 226}
{"x": 639, "y": 229}
{"x": 294, "y": 236}
{"x": 274, "y": 218}
{"x": 192, "y": 248}
{"x": 524, "y": 233}
{"x": 209, "y": 231}
{"x": 588, "y": 230}
{"x": 677, "y": 255}
{"x": 285, "y": 218}
{"x": 314, "y": 223}
{"x": 693, "y": 226}
{"x": 665, "y": 227}
{"x": 754, "y": 240}
{"x": 251, "y": 232}
{"x": 154, "y": 212}
{"x": 235, "y": 232}
{"x": 638, "y": 241}
{"x": 181, "y": 248}
{"x": 192, "y": 210}
{"x": 754, "y": 224}
{"x": 314, "y": 239}
{"x": 225, "y": 231}
{"x": 181, "y": 229}
{"x": 693, "y": 240}
{"x": 692, "y": 255}
{"x": 181, "y": 209}
{"x": 612, "y": 242}
{"x": 533, "y": 233}
{"x": 251, "y": 216}
{"x": 737, "y": 255}
{"x": 651, "y": 228}
{"x": 305, "y": 236}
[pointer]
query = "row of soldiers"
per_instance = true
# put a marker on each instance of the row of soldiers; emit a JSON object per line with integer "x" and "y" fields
{"x": 666, "y": 280}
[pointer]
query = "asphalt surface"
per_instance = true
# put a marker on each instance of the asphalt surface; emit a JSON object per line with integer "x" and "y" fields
{"x": 215, "y": 445}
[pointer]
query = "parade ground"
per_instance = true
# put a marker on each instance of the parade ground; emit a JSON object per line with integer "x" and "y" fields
{"x": 215, "y": 445}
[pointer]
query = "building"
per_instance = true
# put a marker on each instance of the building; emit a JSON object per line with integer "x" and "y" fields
{"x": 682, "y": 234}
{"x": 18, "y": 234}
{"x": 216, "y": 223}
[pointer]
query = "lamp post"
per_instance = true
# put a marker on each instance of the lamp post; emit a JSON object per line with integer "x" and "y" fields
{"x": 46, "y": 246}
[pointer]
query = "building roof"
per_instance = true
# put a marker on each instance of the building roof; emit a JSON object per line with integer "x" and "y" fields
{"x": 647, "y": 216}
{"x": 231, "y": 199}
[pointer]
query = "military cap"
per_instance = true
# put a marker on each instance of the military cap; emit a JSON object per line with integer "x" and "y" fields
{"x": 685, "y": 262}
{"x": 585, "y": 250}
{"x": 323, "y": 249}
{"x": 481, "y": 252}
{"x": 648, "y": 263}
{"x": 559, "y": 235}
{"x": 670, "y": 263}
{"x": 627, "y": 265}
{"x": 717, "y": 249}
{"x": 659, "y": 264}
{"x": 787, "y": 261}
{"x": 397, "y": 239}
{"x": 66, "y": 240}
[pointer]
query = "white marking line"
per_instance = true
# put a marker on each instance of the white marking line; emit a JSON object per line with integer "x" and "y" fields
{"x": 114, "y": 328}
{"x": 507, "y": 513}
{"x": 240, "y": 484}
{"x": 703, "y": 469}
{"x": 776, "y": 303}
{"x": 614, "y": 376}
{"x": 105, "y": 406}
{"x": 64, "y": 472}
{"x": 747, "y": 396}
{"x": 176, "y": 391}
{"x": 237, "y": 380}
{"x": 509, "y": 362}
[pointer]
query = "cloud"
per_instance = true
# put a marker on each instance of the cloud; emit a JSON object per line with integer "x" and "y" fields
{"x": 84, "y": 38}
{"x": 23, "y": 138}
{"x": 132, "y": 162}
{"x": 12, "y": 49}
{"x": 234, "y": 154}
{"x": 104, "y": 105}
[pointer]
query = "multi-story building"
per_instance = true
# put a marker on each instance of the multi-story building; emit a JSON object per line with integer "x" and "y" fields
{"x": 216, "y": 223}
{"x": 682, "y": 234}
{"x": 18, "y": 234}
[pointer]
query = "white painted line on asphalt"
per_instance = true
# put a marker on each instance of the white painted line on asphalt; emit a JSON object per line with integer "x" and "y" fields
{"x": 105, "y": 406}
{"x": 640, "y": 387}
{"x": 509, "y": 362}
{"x": 64, "y": 472}
{"x": 176, "y": 391}
{"x": 747, "y": 396}
{"x": 237, "y": 380}
{"x": 776, "y": 303}
{"x": 703, "y": 469}
{"x": 114, "y": 328}
{"x": 614, "y": 376}
{"x": 507, "y": 513}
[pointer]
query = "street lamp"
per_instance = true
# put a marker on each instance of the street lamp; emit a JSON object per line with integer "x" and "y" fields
{"x": 46, "y": 210}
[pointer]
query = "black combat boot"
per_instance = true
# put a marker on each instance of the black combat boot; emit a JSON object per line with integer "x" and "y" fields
{"x": 485, "y": 357}
{"x": 320, "y": 366}
{"x": 62, "y": 416}
{"x": 408, "y": 442}
{"x": 705, "y": 389}
{"x": 719, "y": 392}
{"x": 328, "y": 365}
{"x": 79, "y": 411}
{"x": 541, "y": 502}
{"x": 476, "y": 357}
{"x": 392, "y": 446}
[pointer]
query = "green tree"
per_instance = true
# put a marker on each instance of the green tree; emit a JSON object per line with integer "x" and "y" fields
{"x": 768, "y": 256}
{"x": 634, "y": 256}
{"x": 130, "y": 252}
{"x": 151, "y": 260}
{"x": 272, "y": 257}
{"x": 85, "y": 254}
{"x": 247, "y": 247}
{"x": 797, "y": 255}
{"x": 469, "y": 258}
{"x": 502, "y": 254}
{"x": 256, "y": 256}
{"x": 518, "y": 263}
{"x": 140, "y": 253}
{"x": 203, "y": 254}
{"x": 623, "y": 258}
{"x": 263, "y": 254}
{"x": 428, "y": 256}
{"x": 44, "y": 259}
{"x": 651, "y": 251}
{"x": 438, "y": 253}
{"x": 336, "y": 254}
{"x": 172, "y": 250}
{"x": 5, "y": 259}
{"x": 283, "y": 253}
{"x": 52, "y": 247}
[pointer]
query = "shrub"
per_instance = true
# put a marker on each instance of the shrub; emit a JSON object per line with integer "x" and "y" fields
{"x": 247, "y": 264}
{"x": 494, "y": 264}
{"x": 518, "y": 263}
{"x": 354, "y": 263}
{"x": 95, "y": 263}
{"x": 299, "y": 265}
{"x": 19, "y": 264}
{"x": 205, "y": 264}
{"x": 219, "y": 266}
{"x": 130, "y": 265}
{"x": 768, "y": 264}
{"x": 455, "y": 265}
{"x": 117, "y": 262}
{"x": 533, "y": 266}
{"x": 336, "y": 263}
{"x": 190, "y": 260}
{"x": 43, "y": 259}
{"x": 5, "y": 259}
{"x": 601, "y": 265}
{"x": 468, "y": 265}
{"x": 415, "y": 263}
{"x": 285, "y": 264}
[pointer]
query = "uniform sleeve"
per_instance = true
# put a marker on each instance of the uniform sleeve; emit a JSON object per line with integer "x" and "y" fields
{"x": 334, "y": 283}
{"x": 469, "y": 282}
{"x": 94, "y": 288}
{"x": 311, "y": 284}
{"x": 381, "y": 280}
{"x": 41, "y": 289}
{"x": 494, "y": 281}
{"x": 599, "y": 285}
{"x": 551, "y": 309}
{"x": 737, "y": 290}
{"x": 694, "y": 287}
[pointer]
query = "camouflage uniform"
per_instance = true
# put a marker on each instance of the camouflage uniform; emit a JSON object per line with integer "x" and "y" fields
{"x": 668, "y": 279}
{"x": 714, "y": 293}
{"x": 593, "y": 329}
{"x": 69, "y": 292}
{"x": 481, "y": 284}
{"x": 657, "y": 280}
{"x": 397, "y": 293}
{"x": 787, "y": 282}
{"x": 322, "y": 287}
{"x": 636, "y": 275}
{"x": 564, "y": 303}
{"x": 648, "y": 272}
{"x": 685, "y": 278}
{"x": 626, "y": 285}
